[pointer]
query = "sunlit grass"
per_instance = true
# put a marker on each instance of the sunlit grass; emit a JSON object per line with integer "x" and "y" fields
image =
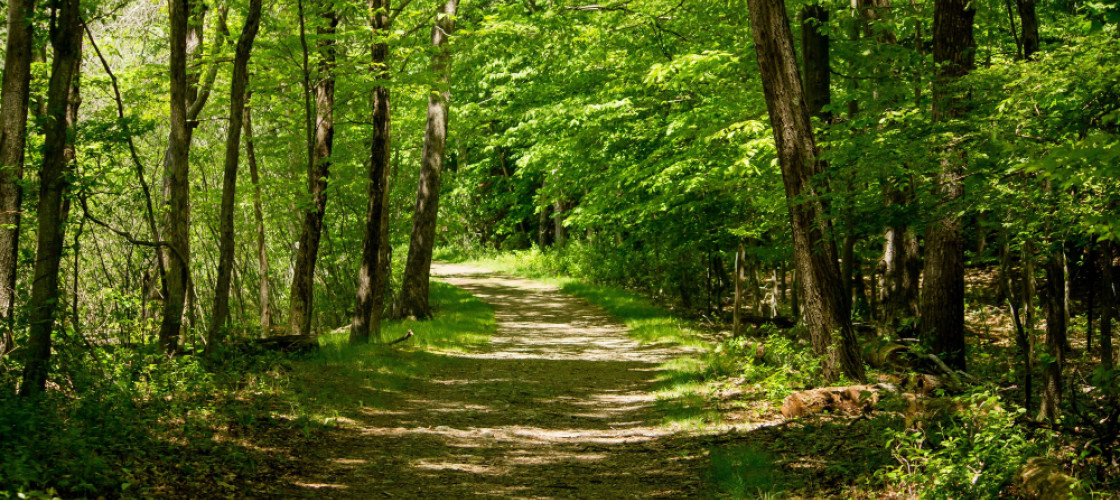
{"x": 341, "y": 379}
{"x": 744, "y": 472}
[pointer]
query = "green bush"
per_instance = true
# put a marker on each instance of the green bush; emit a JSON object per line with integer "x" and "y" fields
{"x": 774, "y": 363}
{"x": 972, "y": 454}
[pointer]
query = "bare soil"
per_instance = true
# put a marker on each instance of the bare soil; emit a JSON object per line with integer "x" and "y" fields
{"x": 558, "y": 405}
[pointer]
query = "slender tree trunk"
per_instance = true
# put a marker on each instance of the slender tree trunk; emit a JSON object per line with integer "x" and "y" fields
{"x": 238, "y": 81}
{"x": 1108, "y": 302}
{"x": 942, "y": 301}
{"x": 191, "y": 92}
{"x": 740, "y": 276}
{"x": 414, "y": 288}
{"x": 302, "y": 293}
{"x": 177, "y": 233}
{"x": 1028, "y": 18}
{"x": 825, "y": 308}
{"x": 815, "y": 58}
{"x": 258, "y": 216}
{"x": 1022, "y": 335}
{"x": 369, "y": 303}
{"x": 561, "y": 232}
{"x": 13, "y": 138}
{"x": 63, "y": 99}
{"x": 1055, "y": 332}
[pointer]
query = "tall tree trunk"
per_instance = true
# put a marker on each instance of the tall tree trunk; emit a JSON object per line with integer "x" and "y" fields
{"x": 13, "y": 131}
{"x": 815, "y": 57}
{"x": 63, "y": 99}
{"x": 942, "y": 301}
{"x": 414, "y": 286}
{"x": 1022, "y": 334}
{"x": 1055, "y": 333}
{"x": 740, "y": 277}
{"x": 302, "y": 294}
{"x": 1028, "y": 18}
{"x": 177, "y": 233}
{"x": 825, "y": 308}
{"x": 561, "y": 232}
{"x": 258, "y": 216}
{"x": 369, "y": 303}
{"x": 187, "y": 20}
{"x": 1108, "y": 302}
{"x": 238, "y": 81}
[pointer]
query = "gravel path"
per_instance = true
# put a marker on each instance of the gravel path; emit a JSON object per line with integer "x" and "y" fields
{"x": 557, "y": 405}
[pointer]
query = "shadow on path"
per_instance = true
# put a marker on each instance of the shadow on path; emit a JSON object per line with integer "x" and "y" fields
{"x": 558, "y": 404}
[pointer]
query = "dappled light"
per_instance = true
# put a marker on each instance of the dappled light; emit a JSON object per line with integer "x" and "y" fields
{"x": 558, "y": 403}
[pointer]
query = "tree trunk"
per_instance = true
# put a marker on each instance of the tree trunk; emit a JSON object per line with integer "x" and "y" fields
{"x": 1108, "y": 302}
{"x": 1055, "y": 333}
{"x": 302, "y": 294}
{"x": 561, "y": 232}
{"x": 1028, "y": 18}
{"x": 414, "y": 286}
{"x": 901, "y": 275}
{"x": 177, "y": 233}
{"x": 13, "y": 138}
{"x": 740, "y": 276}
{"x": 1022, "y": 334}
{"x": 238, "y": 81}
{"x": 825, "y": 308}
{"x": 63, "y": 99}
{"x": 815, "y": 56}
{"x": 369, "y": 303}
{"x": 258, "y": 216}
{"x": 942, "y": 295}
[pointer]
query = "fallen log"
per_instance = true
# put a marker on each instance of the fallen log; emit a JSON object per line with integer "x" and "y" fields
{"x": 1043, "y": 479}
{"x": 852, "y": 399}
{"x": 778, "y": 321}
{"x": 284, "y": 343}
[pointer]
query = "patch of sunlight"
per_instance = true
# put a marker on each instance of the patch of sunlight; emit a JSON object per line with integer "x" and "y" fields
{"x": 322, "y": 486}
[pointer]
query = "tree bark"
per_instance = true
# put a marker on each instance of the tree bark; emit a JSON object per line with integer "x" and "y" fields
{"x": 1022, "y": 335}
{"x": 815, "y": 58}
{"x": 942, "y": 295}
{"x": 302, "y": 294}
{"x": 1108, "y": 302}
{"x": 740, "y": 276}
{"x": 826, "y": 311}
{"x": 238, "y": 81}
{"x": 1055, "y": 334}
{"x": 258, "y": 216}
{"x": 370, "y": 299}
{"x": 14, "y": 100}
{"x": 63, "y": 99}
{"x": 1028, "y": 18}
{"x": 414, "y": 287}
{"x": 177, "y": 167}
{"x": 186, "y": 42}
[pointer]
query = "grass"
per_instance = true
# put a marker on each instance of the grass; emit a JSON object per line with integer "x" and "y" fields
{"x": 745, "y": 472}
{"x": 341, "y": 377}
{"x": 146, "y": 426}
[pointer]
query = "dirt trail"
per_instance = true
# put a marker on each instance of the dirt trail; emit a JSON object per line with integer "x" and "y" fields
{"x": 557, "y": 405}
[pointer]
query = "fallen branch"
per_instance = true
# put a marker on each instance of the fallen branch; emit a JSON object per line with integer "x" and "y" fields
{"x": 404, "y": 338}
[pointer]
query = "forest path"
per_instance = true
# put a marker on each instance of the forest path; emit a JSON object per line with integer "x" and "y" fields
{"x": 558, "y": 404}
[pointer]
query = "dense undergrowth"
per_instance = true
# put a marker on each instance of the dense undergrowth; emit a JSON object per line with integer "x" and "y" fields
{"x": 971, "y": 444}
{"x": 131, "y": 422}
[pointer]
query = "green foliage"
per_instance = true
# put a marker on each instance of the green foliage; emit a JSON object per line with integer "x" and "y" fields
{"x": 744, "y": 472}
{"x": 772, "y": 364}
{"x": 134, "y": 421}
{"x": 971, "y": 454}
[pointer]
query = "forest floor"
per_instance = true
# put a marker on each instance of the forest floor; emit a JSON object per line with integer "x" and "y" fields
{"x": 558, "y": 404}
